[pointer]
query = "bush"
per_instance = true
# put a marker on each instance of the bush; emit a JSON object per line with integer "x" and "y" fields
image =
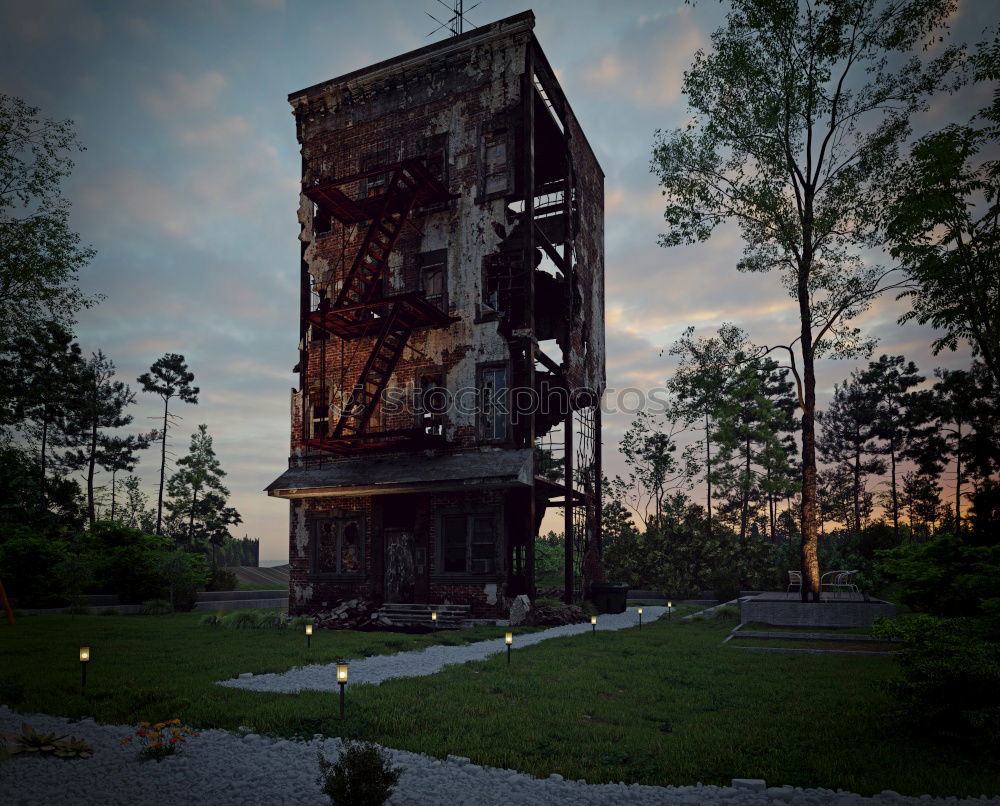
{"x": 727, "y": 613}
{"x": 363, "y": 775}
{"x": 951, "y": 676}
{"x": 243, "y": 620}
{"x": 155, "y": 607}
{"x": 946, "y": 576}
{"x": 222, "y": 579}
{"x": 299, "y": 622}
{"x": 26, "y": 563}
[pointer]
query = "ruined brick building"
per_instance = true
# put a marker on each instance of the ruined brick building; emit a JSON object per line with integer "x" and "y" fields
{"x": 451, "y": 339}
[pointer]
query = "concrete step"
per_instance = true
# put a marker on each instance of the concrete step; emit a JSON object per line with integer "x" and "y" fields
{"x": 419, "y": 615}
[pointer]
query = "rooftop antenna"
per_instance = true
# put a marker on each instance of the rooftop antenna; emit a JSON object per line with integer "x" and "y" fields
{"x": 457, "y": 20}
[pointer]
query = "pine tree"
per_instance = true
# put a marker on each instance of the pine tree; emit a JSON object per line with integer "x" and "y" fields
{"x": 168, "y": 377}
{"x": 897, "y": 415}
{"x": 198, "y": 496}
{"x": 100, "y": 405}
{"x": 848, "y": 440}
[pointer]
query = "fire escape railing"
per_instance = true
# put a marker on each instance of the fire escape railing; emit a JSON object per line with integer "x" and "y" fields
{"x": 360, "y": 310}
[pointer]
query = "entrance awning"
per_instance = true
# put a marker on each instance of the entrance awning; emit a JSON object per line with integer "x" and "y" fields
{"x": 382, "y": 475}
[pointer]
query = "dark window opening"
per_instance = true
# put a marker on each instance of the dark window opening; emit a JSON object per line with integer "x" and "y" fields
{"x": 431, "y": 404}
{"x": 322, "y": 220}
{"x": 433, "y": 277}
{"x": 375, "y": 184}
{"x": 496, "y": 284}
{"x": 493, "y": 403}
{"x": 338, "y": 546}
{"x": 496, "y": 162}
{"x": 320, "y": 420}
{"x": 468, "y": 544}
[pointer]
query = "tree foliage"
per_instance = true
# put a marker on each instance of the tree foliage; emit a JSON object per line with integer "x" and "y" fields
{"x": 40, "y": 256}
{"x": 798, "y": 113}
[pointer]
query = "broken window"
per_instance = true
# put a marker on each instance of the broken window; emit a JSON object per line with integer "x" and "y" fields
{"x": 433, "y": 279}
{"x": 434, "y": 150}
{"x": 468, "y": 544}
{"x": 493, "y": 402}
{"x": 337, "y": 546}
{"x": 496, "y": 162}
{"x": 496, "y": 284}
{"x": 320, "y": 420}
{"x": 322, "y": 220}
{"x": 431, "y": 404}
{"x": 374, "y": 184}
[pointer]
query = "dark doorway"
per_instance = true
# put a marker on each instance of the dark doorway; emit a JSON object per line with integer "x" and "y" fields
{"x": 399, "y": 565}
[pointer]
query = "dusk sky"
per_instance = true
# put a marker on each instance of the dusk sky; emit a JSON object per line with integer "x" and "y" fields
{"x": 188, "y": 191}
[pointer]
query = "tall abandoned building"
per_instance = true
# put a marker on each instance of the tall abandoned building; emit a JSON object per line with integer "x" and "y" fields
{"x": 451, "y": 338}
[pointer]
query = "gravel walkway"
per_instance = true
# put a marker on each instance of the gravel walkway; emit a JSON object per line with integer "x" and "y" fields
{"x": 379, "y": 668}
{"x": 220, "y": 768}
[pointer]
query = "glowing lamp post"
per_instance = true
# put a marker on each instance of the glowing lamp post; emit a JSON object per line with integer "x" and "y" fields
{"x": 508, "y": 639}
{"x": 593, "y": 624}
{"x": 670, "y": 609}
{"x": 309, "y": 635}
{"x": 434, "y": 618}
{"x": 640, "y": 619}
{"x": 341, "y": 681}
{"x": 84, "y": 660}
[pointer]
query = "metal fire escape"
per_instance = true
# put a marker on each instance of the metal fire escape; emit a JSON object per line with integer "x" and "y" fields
{"x": 360, "y": 310}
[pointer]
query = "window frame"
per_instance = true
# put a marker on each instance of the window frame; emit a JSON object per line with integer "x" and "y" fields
{"x": 340, "y": 520}
{"x": 433, "y": 259}
{"x": 495, "y": 517}
{"x": 494, "y": 131}
{"x": 484, "y": 434}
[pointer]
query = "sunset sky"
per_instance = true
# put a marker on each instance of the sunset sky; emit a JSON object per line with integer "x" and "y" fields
{"x": 188, "y": 191}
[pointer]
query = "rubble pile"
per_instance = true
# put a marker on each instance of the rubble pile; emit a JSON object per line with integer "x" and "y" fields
{"x": 352, "y": 614}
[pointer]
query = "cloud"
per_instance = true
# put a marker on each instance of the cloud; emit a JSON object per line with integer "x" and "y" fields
{"x": 215, "y": 134}
{"x": 647, "y": 64}
{"x": 56, "y": 19}
{"x": 177, "y": 93}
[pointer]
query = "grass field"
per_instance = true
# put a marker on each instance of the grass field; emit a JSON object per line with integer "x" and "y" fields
{"x": 668, "y": 705}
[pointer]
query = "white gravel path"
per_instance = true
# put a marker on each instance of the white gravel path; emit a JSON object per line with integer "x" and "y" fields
{"x": 219, "y": 768}
{"x": 379, "y": 668}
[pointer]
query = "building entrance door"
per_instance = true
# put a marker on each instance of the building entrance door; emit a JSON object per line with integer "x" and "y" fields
{"x": 399, "y": 566}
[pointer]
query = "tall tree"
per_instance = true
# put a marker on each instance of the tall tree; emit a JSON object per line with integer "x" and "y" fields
{"x": 700, "y": 384}
{"x": 897, "y": 419}
{"x": 197, "y": 494}
{"x": 944, "y": 227}
{"x": 118, "y": 454}
{"x": 40, "y": 256}
{"x": 168, "y": 377}
{"x": 798, "y": 112}
{"x": 39, "y": 372}
{"x": 849, "y": 441}
{"x": 100, "y": 406}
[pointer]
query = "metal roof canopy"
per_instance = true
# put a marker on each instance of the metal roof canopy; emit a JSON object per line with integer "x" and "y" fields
{"x": 383, "y": 475}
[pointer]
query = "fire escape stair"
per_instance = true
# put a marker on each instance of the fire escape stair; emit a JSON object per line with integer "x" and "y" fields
{"x": 360, "y": 310}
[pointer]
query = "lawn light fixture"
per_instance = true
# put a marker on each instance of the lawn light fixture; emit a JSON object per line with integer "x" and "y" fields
{"x": 640, "y": 619}
{"x": 341, "y": 681}
{"x": 593, "y": 624}
{"x": 309, "y": 635}
{"x": 434, "y": 618}
{"x": 670, "y": 609}
{"x": 508, "y": 639}
{"x": 84, "y": 660}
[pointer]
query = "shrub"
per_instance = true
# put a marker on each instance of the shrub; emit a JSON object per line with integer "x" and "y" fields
{"x": 243, "y": 620}
{"x": 363, "y": 775}
{"x": 155, "y": 607}
{"x": 728, "y": 613}
{"x": 299, "y": 622}
{"x": 222, "y": 579}
{"x": 26, "y": 563}
{"x": 951, "y": 675}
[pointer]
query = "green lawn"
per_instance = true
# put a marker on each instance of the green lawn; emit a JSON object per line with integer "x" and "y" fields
{"x": 757, "y": 626}
{"x": 839, "y": 646}
{"x": 668, "y": 705}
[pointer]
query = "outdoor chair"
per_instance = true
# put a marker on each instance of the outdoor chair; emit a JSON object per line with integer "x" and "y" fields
{"x": 836, "y": 581}
{"x": 794, "y": 581}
